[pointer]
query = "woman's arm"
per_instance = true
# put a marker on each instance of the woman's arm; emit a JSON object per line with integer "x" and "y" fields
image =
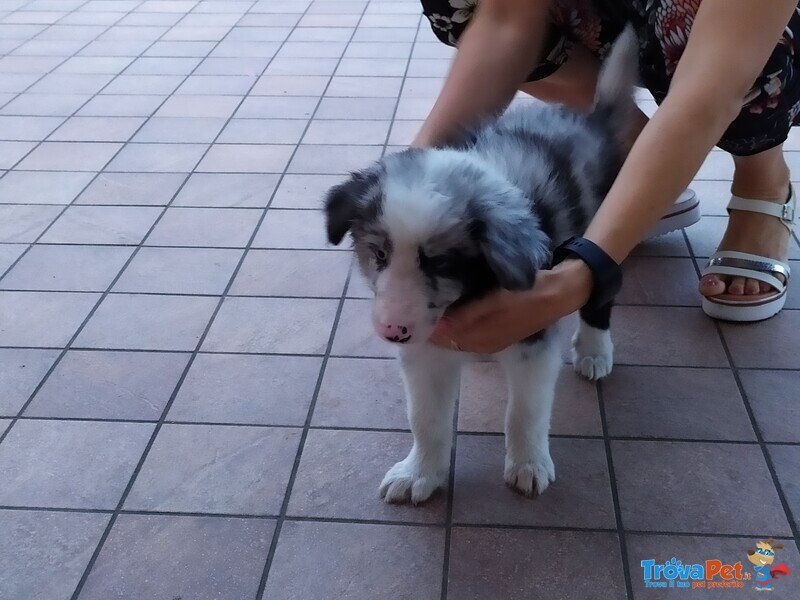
{"x": 730, "y": 43}
{"x": 495, "y": 54}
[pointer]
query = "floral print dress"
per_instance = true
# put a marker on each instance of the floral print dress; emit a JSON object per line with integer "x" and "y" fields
{"x": 769, "y": 110}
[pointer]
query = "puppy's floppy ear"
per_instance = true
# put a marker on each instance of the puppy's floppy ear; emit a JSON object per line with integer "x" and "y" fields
{"x": 344, "y": 202}
{"x": 513, "y": 243}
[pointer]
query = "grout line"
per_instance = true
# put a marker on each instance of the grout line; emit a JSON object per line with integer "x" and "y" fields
{"x": 139, "y": 128}
{"x": 132, "y": 142}
{"x": 260, "y": 425}
{"x": 22, "y": 42}
{"x": 787, "y": 510}
{"x": 188, "y": 366}
{"x": 94, "y": 308}
{"x": 660, "y": 533}
{"x": 632, "y": 258}
{"x": 279, "y": 209}
{"x": 40, "y": 32}
{"x": 55, "y": 365}
{"x": 98, "y": 173}
{"x": 59, "y": 509}
{"x": 451, "y": 484}
{"x": 620, "y": 530}
{"x": 397, "y": 523}
{"x": 181, "y": 207}
{"x": 327, "y": 355}
{"x": 131, "y": 292}
{"x": 703, "y": 534}
{"x": 272, "y": 117}
{"x": 135, "y": 245}
{"x": 566, "y": 363}
{"x": 108, "y": 28}
{"x": 445, "y": 580}
{"x": 304, "y": 435}
{"x": 327, "y": 173}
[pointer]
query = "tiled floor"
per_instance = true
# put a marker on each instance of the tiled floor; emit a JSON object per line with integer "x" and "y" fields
{"x": 191, "y": 402}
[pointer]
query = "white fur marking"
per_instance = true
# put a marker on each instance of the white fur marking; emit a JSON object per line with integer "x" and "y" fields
{"x": 592, "y": 351}
{"x": 531, "y": 386}
{"x": 432, "y": 379}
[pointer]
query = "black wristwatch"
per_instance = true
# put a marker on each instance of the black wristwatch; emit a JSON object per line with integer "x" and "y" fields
{"x": 606, "y": 273}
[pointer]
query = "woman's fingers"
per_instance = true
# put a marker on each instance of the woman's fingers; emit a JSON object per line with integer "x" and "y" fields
{"x": 449, "y": 330}
{"x": 453, "y": 326}
{"x": 474, "y": 327}
{"x": 493, "y": 323}
{"x": 439, "y": 338}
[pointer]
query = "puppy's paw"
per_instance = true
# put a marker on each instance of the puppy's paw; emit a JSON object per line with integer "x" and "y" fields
{"x": 592, "y": 352}
{"x": 407, "y": 481}
{"x": 532, "y": 476}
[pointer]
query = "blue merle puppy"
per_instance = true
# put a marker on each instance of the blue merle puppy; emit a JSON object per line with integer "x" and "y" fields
{"x": 435, "y": 228}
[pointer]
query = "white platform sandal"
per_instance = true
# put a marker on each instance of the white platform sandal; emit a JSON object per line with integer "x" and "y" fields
{"x": 685, "y": 212}
{"x": 751, "y": 266}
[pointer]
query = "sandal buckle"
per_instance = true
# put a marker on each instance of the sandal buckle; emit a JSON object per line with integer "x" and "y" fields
{"x": 788, "y": 213}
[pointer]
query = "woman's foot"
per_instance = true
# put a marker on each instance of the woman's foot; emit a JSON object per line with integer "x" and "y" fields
{"x": 764, "y": 176}
{"x": 753, "y": 233}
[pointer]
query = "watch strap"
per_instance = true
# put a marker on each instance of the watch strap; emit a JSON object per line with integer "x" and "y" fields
{"x": 606, "y": 273}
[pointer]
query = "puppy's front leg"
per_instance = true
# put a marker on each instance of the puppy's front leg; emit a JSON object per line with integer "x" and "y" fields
{"x": 431, "y": 378}
{"x": 592, "y": 348}
{"x": 532, "y": 371}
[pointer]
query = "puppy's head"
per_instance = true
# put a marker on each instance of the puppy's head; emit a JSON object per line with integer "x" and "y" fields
{"x": 430, "y": 228}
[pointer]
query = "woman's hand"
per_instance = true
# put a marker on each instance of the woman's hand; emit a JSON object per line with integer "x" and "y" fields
{"x": 500, "y": 319}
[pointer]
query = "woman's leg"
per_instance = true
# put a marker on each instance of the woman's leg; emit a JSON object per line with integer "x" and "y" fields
{"x": 763, "y": 176}
{"x": 573, "y": 83}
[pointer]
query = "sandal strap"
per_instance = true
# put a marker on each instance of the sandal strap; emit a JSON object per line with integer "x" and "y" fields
{"x": 747, "y": 274}
{"x": 785, "y": 212}
{"x": 750, "y": 266}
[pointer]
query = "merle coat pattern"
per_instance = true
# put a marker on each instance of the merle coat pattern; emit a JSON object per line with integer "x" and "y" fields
{"x": 437, "y": 227}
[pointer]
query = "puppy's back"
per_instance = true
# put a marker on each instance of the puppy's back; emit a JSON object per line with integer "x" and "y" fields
{"x": 566, "y": 160}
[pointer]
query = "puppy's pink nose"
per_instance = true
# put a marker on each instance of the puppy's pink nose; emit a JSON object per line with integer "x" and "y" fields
{"x": 395, "y": 332}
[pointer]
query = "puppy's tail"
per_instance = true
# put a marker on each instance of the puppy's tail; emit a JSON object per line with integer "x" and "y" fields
{"x": 614, "y": 103}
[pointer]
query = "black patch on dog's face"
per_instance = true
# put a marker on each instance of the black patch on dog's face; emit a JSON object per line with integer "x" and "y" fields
{"x": 458, "y": 268}
{"x": 512, "y": 244}
{"x": 452, "y": 265}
